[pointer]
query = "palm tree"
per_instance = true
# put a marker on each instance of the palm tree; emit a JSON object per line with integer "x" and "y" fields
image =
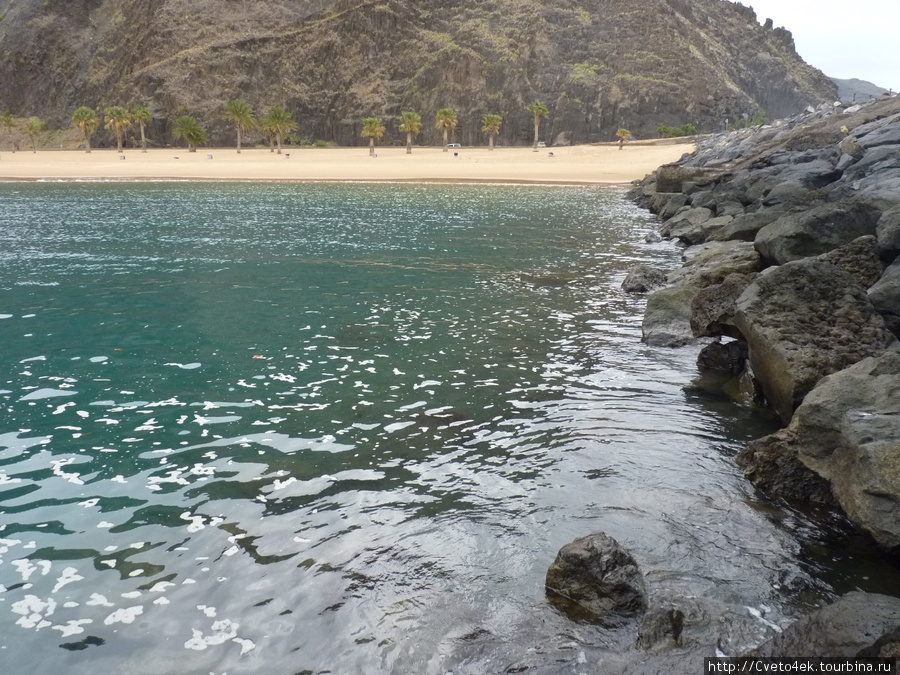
{"x": 373, "y": 129}
{"x": 33, "y": 127}
{"x": 491, "y": 125}
{"x": 186, "y": 127}
{"x": 446, "y": 122}
{"x": 623, "y": 135}
{"x": 240, "y": 113}
{"x": 86, "y": 119}
{"x": 539, "y": 110}
{"x": 410, "y": 124}
{"x": 117, "y": 120}
{"x": 9, "y": 122}
{"x": 141, "y": 115}
{"x": 278, "y": 123}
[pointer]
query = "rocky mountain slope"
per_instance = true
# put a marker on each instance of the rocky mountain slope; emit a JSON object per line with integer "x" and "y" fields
{"x": 597, "y": 64}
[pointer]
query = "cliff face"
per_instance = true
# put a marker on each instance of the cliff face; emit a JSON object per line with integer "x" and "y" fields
{"x": 597, "y": 64}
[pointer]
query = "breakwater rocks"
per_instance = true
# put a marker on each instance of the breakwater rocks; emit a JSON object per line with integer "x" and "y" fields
{"x": 792, "y": 249}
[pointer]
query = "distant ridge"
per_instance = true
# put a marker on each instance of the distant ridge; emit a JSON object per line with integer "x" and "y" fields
{"x": 855, "y": 89}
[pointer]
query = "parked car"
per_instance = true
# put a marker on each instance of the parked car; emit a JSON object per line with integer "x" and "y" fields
{"x": 542, "y": 144}
{"x": 453, "y": 145}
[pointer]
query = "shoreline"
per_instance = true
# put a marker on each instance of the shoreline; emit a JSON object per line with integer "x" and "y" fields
{"x": 573, "y": 165}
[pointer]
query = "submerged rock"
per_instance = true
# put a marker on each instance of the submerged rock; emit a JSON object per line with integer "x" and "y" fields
{"x": 805, "y": 320}
{"x": 595, "y": 579}
{"x": 844, "y": 629}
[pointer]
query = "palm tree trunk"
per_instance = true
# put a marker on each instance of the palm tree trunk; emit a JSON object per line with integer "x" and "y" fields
{"x": 143, "y": 140}
{"x": 490, "y": 141}
{"x": 408, "y": 143}
{"x": 119, "y": 140}
{"x": 239, "y": 140}
{"x": 278, "y": 139}
{"x": 87, "y": 142}
{"x": 445, "y": 140}
{"x": 371, "y": 145}
{"x": 537, "y": 124}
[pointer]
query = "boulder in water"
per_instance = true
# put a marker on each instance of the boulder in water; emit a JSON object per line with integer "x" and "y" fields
{"x": 596, "y": 579}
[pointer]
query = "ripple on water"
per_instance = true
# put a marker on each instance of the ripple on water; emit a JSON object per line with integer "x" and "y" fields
{"x": 332, "y": 428}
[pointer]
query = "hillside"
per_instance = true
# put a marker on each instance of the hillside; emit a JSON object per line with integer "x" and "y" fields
{"x": 857, "y": 90}
{"x": 597, "y": 64}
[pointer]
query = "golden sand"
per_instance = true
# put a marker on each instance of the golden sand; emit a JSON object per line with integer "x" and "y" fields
{"x": 589, "y": 164}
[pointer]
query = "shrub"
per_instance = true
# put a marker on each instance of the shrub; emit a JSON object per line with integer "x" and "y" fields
{"x": 666, "y": 131}
{"x": 320, "y": 144}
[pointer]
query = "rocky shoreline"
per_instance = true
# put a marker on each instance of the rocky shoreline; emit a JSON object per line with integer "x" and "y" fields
{"x": 791, "y": 275}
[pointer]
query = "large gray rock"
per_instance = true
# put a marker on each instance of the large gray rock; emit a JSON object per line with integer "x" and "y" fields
{"x": 595, "y": 578}
{"x": 693, "y": 216}
{"x": 799, "y": 235}
{"x": 885, "y": 136}
{"x": 667, "y": 318}
{"x": 694, "y": 234}
{"x": 843, "y": 629}
{"x": 888, "y": 234}
{"x": 805, "y": 320}
{"x": 744, "y": 227}
{"x": 859, "y": 258}
{"x": 850, "y": 146}
{"x": 643, "y": 279}
{"x": 672, "y": 205}
{"x": 671, "y": 177}
{"x": 772, "y": 465}
{"x": 848, "y": 432}
{"x": 885, "y": 295}
{"x": 712, "y": 309}
{"x": 711, "y": 262}
{"x": 875, "y": 161}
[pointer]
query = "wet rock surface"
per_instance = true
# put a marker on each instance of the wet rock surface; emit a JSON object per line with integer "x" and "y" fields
{"x": 850, "y": 626}
{"x": 595, "y": 579}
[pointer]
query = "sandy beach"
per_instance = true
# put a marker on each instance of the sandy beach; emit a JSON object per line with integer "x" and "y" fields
{"x": 585, "y": 164}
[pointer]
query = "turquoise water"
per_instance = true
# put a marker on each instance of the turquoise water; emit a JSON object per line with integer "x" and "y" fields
{"x": 331, "y": 428}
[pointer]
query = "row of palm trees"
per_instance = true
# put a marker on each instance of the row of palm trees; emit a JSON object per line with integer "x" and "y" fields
{"x": 276, "y": 124}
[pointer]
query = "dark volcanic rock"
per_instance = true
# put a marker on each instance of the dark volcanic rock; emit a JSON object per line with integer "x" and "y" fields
{"x": 772, "y": 465}
{"x": 859, "y": 258}
{"x": 798, "y": 235}
{"x": 888, "y": 234}
{"x": 595, "y": 578}
{"x": 726, "y": 357}
{"x": 805, "y": 320}
{"x": 643, "y": 279}
{"x": 885, "y": 295}
{"x": 843, "y": 629}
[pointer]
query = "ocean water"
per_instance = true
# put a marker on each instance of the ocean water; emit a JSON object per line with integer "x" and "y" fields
{"x": 345, "y": 428}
